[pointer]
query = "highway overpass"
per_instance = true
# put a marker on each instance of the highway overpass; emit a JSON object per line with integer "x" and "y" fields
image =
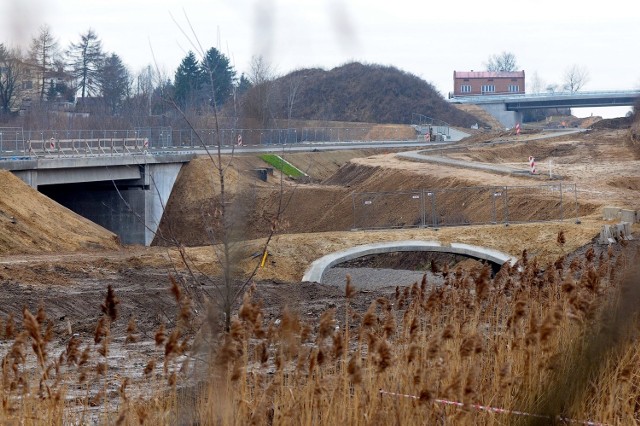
{"x": 123, "y": 192}
{"x": 508, "y": 108}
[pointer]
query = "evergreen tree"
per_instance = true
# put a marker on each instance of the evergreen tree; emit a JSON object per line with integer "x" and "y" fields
{"x": 243, "y": 84}
{"x": 114, "y": 83}
{"x": 188, "y": 82}
{"x": 218, "y": 75}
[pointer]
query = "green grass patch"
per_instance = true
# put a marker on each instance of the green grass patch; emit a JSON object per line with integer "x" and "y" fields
{"x": 283, "y": 165}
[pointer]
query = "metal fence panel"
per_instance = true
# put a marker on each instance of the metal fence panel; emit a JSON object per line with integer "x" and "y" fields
{"x": 379, "y": 210}
{"x": 535, "y": 203}
{"x": 465, "y": 206}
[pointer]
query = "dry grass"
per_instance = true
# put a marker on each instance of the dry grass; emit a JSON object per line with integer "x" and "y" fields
{"x": 558, "y": 340}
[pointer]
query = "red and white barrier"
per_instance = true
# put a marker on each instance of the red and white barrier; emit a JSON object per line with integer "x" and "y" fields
{"x": 52, "y": 143}
{"x": 517, "y": 128}
{"x": 496, "y": 409}
{"x": 532, "y": 165}
{"x": 239, "y": 140}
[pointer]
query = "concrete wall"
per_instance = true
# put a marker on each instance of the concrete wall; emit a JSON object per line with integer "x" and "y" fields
{"x": 507, "y": 118}
{"x": 159, "y": 178}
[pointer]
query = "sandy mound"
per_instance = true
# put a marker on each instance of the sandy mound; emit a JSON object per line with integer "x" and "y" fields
{"x": 33, "y": 223}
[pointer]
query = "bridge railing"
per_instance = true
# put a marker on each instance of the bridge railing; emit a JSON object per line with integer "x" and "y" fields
{"x": 544, "y": 96}
{"x": 229, "y": 137}
{"x": 464, "y": 206}
{"x": 87, "y": 147}
{"x": 88, "y": 142}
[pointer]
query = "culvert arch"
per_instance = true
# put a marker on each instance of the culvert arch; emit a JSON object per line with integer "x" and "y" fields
{"x": 317, "y": 268}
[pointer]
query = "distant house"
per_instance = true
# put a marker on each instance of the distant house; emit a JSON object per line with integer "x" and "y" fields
{"x": 468, "y": 83}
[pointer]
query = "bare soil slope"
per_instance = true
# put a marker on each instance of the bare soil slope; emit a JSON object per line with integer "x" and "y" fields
{"x": 32, "y": 223}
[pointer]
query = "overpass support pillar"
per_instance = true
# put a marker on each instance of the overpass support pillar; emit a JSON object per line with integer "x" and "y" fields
{"x": 507, "y": 118}
{"x": 158, "y": 182}
{"x": 30, "y": 177}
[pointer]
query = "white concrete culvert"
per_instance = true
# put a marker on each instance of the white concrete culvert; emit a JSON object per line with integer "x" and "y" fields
{"x": 316, "y": 270}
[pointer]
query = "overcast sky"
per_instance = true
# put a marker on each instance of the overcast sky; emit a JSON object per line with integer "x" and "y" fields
{"x": 430, "y": 39}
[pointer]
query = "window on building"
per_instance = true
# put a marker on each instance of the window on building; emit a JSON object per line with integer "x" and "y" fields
{"x": 465, "y": 88}
{"x": 26, "y": 85}
{"x": 488, "y": 88}
{"x": 514, "y": 88}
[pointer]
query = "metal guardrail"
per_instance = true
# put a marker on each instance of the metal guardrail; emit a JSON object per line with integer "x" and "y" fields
{"x": 87, "y": 147}
{"x": 15, "y": 141}
{"x": 482, "y": 205}
{"x": 494, "y": 97}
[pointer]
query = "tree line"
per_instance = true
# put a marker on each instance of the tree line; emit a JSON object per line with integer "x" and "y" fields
{"x": 86, "y": 75}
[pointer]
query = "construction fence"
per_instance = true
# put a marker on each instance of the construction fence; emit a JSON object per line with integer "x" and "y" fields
{"x": 464, "y": 206}
{"x": 16, "y": 140}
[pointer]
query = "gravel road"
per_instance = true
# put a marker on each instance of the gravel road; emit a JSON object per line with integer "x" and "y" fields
{"x": 376, "y": 278}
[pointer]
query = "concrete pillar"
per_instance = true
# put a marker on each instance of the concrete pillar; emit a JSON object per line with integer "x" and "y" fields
{"x": 499, "y": 110}
{"x": 159, "y": 179}
{"x": 30, "y": 177}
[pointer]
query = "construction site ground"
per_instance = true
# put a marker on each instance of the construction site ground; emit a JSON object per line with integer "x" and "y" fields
{"x": 51, "y": 256}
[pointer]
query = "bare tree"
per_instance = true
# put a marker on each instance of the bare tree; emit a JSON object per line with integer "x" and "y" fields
{"x": 44, "y": 53}
{"x": 575, "y": 77}
{"x": 229, "y": 213}
{"x": 536, "y": 84}
{"x": 261, "y": 76}
{"x": 11, "y": 67}
{"x": 86, "y": 61}
{"x": 552, "y": 88}
{"x": 294, "y": 81}
{"x": 505, "y": 61}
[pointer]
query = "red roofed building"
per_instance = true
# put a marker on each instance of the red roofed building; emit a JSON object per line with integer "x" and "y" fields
{"x": 467, "y": 83}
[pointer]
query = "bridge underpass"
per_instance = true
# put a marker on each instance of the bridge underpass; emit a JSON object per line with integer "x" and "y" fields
{"x": 124, "y": 194}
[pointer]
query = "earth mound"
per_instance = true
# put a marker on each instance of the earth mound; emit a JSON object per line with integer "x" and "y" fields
{"x": 33, "y": 223}
{"x": 354, "y": 92}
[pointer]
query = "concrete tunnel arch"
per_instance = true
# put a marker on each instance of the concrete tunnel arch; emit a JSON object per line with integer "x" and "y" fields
{"x": 317, "y": 268}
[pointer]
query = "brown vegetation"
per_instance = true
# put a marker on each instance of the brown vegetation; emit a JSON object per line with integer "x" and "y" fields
{"x": 553, "y": 340}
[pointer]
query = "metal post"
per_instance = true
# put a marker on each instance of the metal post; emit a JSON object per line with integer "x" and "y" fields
{"x": 506, "y": 205}
{"x": 423, "y": 208}
{"x": 493, "y": 202}
{"x": 353, "y": 201}
{"x": 1, "y": 142}
{"x": 575, "y": 192}
{"x": 561, "y": 210}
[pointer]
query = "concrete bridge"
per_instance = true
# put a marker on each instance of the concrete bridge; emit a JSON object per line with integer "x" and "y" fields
{"x": 508, "y": 108}
{"x": 124, "y": 192}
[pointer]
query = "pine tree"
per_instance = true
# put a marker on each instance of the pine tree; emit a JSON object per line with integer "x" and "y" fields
{"x": 114, "y": 83}
{"x": 218, "y": 76}
{"x": 188, "y": 82}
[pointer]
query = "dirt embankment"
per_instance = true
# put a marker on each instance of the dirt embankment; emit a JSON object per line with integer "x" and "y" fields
{"x": 33, "y": 223}
{"x": 329, "y": 206}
